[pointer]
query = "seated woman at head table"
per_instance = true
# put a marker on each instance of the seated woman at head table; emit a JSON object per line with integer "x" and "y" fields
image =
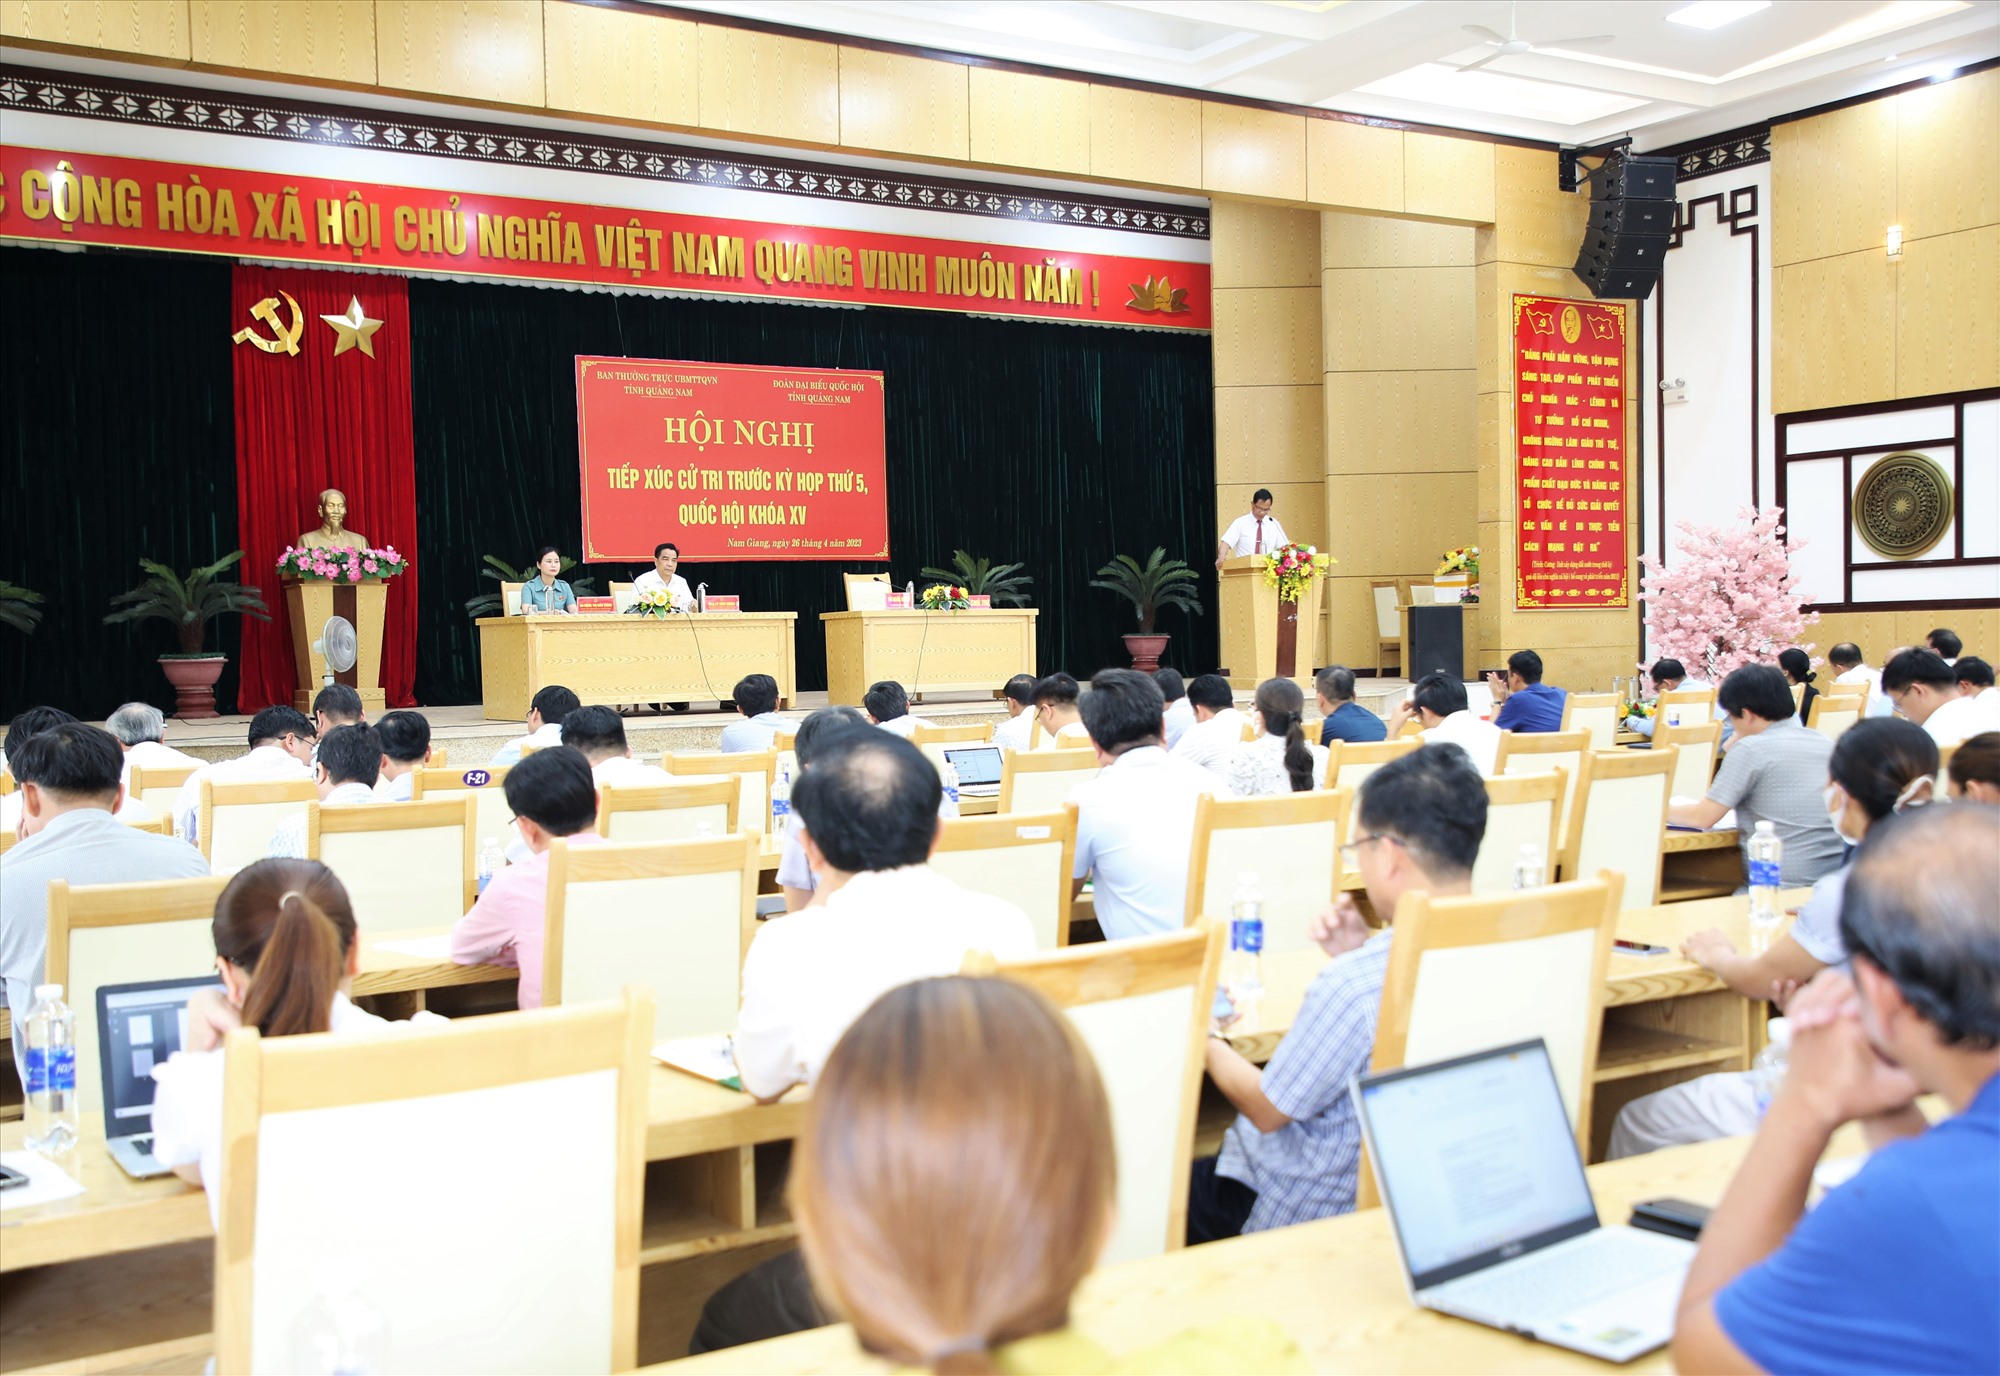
{"x": 545, "y": 592}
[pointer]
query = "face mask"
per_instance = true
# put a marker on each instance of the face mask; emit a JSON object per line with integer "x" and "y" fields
{"x": 1835, "y": 799}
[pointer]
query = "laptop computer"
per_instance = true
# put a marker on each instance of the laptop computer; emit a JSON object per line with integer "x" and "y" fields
{"x": 978, "y": 769}
{"x": 138, "y": 1026}
{"x": 1493, "y": 1217}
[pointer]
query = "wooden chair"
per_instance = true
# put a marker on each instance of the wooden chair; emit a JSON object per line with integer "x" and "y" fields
{"x": 1618, "y": 820}
{"x": 510, "y": 598}
{"x": 675, "y": 812}
{"x": 1143, "y": 1008}
{"x": 8, "y": 840}
{"x": 1943, "y": 781}
{"x": 754, "y": 771}
{"x": 6, "y": 782}
{"x": 491, "y": 817}
{"x": 159, "y": 789}
{"x": 1413, "y": 728}
{"x": 1387, "y": 598}
{"x": 1348, "y": 763}
{"x": 1596, "y": 713}
{"x": 1290, "y": 841}
{"x": 1521, "y": 810}
{"x": 929, "y": 733}
{"x": 1685, "y": 707}
{"x": 623, "y": 595}
{"x": 162, "y": 825}
{"x": 1695, "y": 744}
{"x": 1831, "y": 715}
{"x": 1040, "y": 781}
{"x": 1251, "y": 731}
{"x": 235, "y": 821}
{"x": 424, "y": 1134}
{"x": 675, "y": 917}
{"x": 866, "y": 592}
{"x": 1023, "y": 857}
{"x": 103, "y": 934}
{"x": 1538, "y": 752}
{"x": 403, "y": 864}
{"x": 1798, "y": 697}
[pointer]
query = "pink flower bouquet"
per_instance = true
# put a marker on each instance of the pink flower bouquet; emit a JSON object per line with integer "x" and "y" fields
{"x": 342, "y": 565}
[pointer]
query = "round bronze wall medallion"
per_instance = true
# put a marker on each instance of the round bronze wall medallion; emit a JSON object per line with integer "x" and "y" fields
{"x": 1903, "y": 506}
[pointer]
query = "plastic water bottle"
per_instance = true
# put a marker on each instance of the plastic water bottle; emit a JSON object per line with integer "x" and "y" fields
{"x": 950, "y": 776}
{"x": 781, "y": 803}
{"x": 1766, "y": 863}
{"x": 491, "y": 861}
{"x": 50, "y": 1073}
{"x": 1529, "y": 872}
{"x": 704, "y": 830}
{"x": 1244, "y": 975}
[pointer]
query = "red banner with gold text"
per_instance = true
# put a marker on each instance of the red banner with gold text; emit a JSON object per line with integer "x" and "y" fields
{"x": 1570, "y": 454}
{"x": 90, "y": 198}
{"x": 730, "y": 462}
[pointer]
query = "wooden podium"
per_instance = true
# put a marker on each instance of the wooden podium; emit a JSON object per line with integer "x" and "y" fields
{"x": 309, "y": 602}
{"x": 1257, "y": 628}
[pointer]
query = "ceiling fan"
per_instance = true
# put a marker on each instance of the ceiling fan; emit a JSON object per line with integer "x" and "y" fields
{"x": 1513, "y": 45}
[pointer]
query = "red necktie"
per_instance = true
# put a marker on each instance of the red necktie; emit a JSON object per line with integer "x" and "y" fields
{"x": 1260, "y": 535}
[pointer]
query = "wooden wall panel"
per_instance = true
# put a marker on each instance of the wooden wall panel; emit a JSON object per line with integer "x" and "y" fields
{"x": 142, "y": 28}
{"x": 1263, "y": 245}
{"x": 904, "y": 104}
{"x": 1350, "y": 615}
{"x": 622, "y": 64}
{"x": 1395, "y": 319}
{"x": 1380, "y": 241}
{"x": 1255, "y": 153}
{"x": 1947, "y": 160}
{"x": 1267, "y": 435}
{"x": 1354, "y": 165}
{"x": 483, "y": 50}
{"x": 1449, "y": 178}
{"x": 1267, "y": 336}
{"x": 1495, "y": 285}
{"x": 1145, "y": 139}
{"x": 1834, "y": 331}
{"x": 1833, "y": 182}
{"x": 1419, "y": 422}
{"x": 769, "y": 85}
{"x": 1948, "y": 313}
{"x": 1534, "y": 219}
{"x": 330, "y": 40}
{"x": 1978, "y": 627}
{"x": 1396, "y": 524}
{"x": 1018, "y": 120}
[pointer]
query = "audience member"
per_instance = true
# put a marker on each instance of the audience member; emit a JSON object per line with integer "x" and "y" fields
{"x": 335, "y": 705}
{"x": 1135, "y": 820}
{"x": 1925, "y": 689}
{"x": 67, "y": 778}
{"x": 816, "y": 734}
{"x": 553, "y": 798}
{"x": 1218, "y": 727}
{"x": 1897, "y": 1269}
{"x": 141, "y": 729}
{"x": 1279, "y": 760}
{"x": 1945, "y": 645}
{"x": 1439, "y": 704}
{"x": 1294, "y": 1152}
{"x": 1019, "y": 699}
{"x": 1846, "y": 658}
{"x": 546, "y": 713}
{"x": 29, "y": 723}
{"x": 1796, "y": 665}
{"x": 1877, "y": 769}
{"x": 1342, "y": 718}
{"x": 888, "y": 706}
{"x": 1667, "y": 675}
{"x": 1775, "y": 772}
{"x": 1975, "y": 769}
{"x": 599, "y": 732}
{"x": 1056, "y": 713}
{"x": 286, "y": 950}
{"x": 756, "y": 697}
{"x": 406, "y": 748}
{"x": 1180, "y": 712}
{"x": 281, "y": 747}
{"x": 1975, "y": 680}
{"x": 1523, "y": 701}
{"x": 349, "y": 764}
{"x": 881, "y": 916}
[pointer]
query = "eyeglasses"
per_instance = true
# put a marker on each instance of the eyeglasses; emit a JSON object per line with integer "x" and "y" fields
{"x": 1347, "y": 851}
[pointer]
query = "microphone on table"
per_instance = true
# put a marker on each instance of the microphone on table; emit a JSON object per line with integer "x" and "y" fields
{"x": 701, "y": 596}
{"x": 910, "y": 591}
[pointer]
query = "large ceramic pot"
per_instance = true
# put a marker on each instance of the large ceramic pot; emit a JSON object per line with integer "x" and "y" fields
{"x": 194, "y": 683}
{"x": 1145, "y": 651}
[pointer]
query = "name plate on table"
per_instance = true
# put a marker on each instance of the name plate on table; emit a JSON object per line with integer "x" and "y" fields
{"x": 596, "y": 606}
{"x": 980, "y": 602}
{"x": 718, "y": 602}
{"x": 896, "y": 602}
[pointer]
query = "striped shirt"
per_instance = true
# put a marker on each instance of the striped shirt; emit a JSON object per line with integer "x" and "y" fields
{"x": 1310, "y": 1167}
{"x": 1779, "y": 776}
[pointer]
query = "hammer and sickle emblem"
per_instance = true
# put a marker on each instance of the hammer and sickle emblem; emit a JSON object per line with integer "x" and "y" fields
{"x": 284, "y": 338}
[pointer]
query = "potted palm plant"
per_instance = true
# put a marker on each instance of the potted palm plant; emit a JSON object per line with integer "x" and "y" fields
{"x": 1151, "y": 588}
{"x": 189, "y": 604}
{"x": 20, "y": 607}
{"x": 1004, "y": 583}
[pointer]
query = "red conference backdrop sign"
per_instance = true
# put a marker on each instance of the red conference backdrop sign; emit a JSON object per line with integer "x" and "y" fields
{"x": 1570, "y": 459}
{"x": 730, "y": 461}
{"x": 92, "y": 198}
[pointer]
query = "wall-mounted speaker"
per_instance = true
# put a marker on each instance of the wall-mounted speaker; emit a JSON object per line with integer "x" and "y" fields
{"x": 1632, "y": 207}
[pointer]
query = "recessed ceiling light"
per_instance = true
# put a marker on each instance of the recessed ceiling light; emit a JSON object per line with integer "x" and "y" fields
{"x": 1713, "y": 14}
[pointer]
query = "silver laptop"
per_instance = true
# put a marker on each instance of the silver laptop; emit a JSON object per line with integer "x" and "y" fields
{"x": 1492, "y": 1214}
{"x": 138, "y": 1026}
{"x": 978, "y": 769}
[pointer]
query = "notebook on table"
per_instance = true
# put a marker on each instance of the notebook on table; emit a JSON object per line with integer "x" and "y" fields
{"x": 978, "y": 769}
{"x": 139, "y": 1026}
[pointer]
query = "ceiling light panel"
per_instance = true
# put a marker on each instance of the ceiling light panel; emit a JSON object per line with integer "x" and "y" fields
{"x": 1713, "y": 14}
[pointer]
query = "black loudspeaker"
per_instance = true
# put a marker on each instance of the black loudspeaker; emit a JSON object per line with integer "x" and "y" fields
{"x": 1632, "y": 208}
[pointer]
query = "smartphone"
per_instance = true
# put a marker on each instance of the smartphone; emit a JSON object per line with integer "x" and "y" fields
{"x": 9, "y": 1178}
{"x": 1674, "y": 1217}
{"x": 1640, "y": 948}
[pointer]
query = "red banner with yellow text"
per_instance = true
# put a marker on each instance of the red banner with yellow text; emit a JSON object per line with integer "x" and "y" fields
{"x": 1570, "y": 454}
{"x": 89, "y": 198}
{"x": 730, "y": 462}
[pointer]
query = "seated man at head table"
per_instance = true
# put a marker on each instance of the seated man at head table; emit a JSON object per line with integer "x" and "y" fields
{"x": 666, "y": 559}
{"x": 1019, "y": 699}
{"x": 1439, "y": 704}
{"x": 599, "y": 732}
{"x": 1526, "y": 703}
{"x": 756, "y": 697}
{"x": 282, "y": 742}
{"x": 141, "y": 729}
{"x": 1056, "y": 713}
{"x": 1898, "y": 1268}
{"x": 32, "y": 722}
{"x": 546, "y": 714}
{"x": 1342, "y": 718}
{"x": 346, "y": 772}
{"x": 888, "y": 706}
{"x": 1924, "y": 688}
{"x": 1294, "y": 1152}
{"x": 1668, "y": 676}
{"x": 406, "y": 748}
{"x": 1218, "y": 727}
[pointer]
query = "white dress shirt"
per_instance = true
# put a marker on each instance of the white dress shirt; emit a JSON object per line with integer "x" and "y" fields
{"x": 1242, "y": 537}
{"x": 811, "y": 973}
{"x": 1479, "y": 739}
{"x": 1958, "y": 720}
{"x": 288, "y": 841}
{"x": 1071, "y": 731}
{"x": 1877, "y": 703}
{"x": 265, "y": 764}
{"x": 398, "y": 789}
{"x": 155, "y": 755}
{"x": 1134, "y": 832}
{"x": 1013, "y": 733}
{"x": 549, "y": 734}
{"x": 1179, "y": 717}
{"x": 622, "y": 771}
{"x": 904, "y": 726}
{"x": 756, "y": 734}
{"x": 1212, "y": 743}
{"x": 683, "y": 597}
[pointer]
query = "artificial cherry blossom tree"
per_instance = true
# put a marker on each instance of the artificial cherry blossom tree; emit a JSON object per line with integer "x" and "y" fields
{"x": 1730, "y": 597}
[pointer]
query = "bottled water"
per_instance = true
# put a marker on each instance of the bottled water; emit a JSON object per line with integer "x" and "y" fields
{"x": 1529, "y": 872}
{"x": 50, "y": 1073}
{"x": 491, "y": 861}
{"x": 704, "y": 830}
{"x": 781, "y": 803}
{"x": 950, "y": 776}
{"x": 1766, "y": 857}
{"x": 1243, "y": 972}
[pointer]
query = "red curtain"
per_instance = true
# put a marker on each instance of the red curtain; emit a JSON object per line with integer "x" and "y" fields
{"x": 314, "y": 421}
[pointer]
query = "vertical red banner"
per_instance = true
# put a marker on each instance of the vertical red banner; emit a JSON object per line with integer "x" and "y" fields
{"x": 1570, "y": 455}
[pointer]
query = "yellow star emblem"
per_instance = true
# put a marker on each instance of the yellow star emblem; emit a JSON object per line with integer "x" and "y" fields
{"x": 353, "y": 328}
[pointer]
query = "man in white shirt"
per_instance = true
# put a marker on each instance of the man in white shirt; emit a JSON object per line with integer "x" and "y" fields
{"x": 666, "y": 558}
{"x": 141, "y": 729}
{"x": 1975, "y": 682}
{"x": 349, "y": 763}
{"x": 1945, "y": 644}
{"x": 599, "y": 732}
{"x": 756, "y": 697}
{"x": 1019, "y": 695}
{"x": 1257, "y": 533}
{"x": 1135, "y": 820}
{"x": 1438, "y": 700}
{"x": 1925, "y": 690}
{"x": 406, "y": 748}
{"x": 281, "y": 747}
{"x": 1218, "y": 728}
{"x": 888, "y": 706}
{"x": 1180, "y": 712}
{"x": 546, "y": 713}
{"x": 1846, "y": 658}
{"x": 1055, "y": 712}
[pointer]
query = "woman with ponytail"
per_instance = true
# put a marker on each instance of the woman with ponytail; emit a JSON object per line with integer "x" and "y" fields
{"x": 1798, "y": 670}
{"x": 1879, "y": 767}
{"x": 285, "y": 949}
{"x": 1280, "y": 760}
{"x": 955, "y": 1183}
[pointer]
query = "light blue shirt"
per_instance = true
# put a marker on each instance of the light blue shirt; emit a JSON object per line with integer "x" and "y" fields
{"x": 753, "y": 734}
{"x": 1134, "y": 834}
{"x": 556, "y": 597}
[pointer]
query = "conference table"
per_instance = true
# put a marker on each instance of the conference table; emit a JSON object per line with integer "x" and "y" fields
{"x": 620, "y": 659}
{"x": 926, "y": 652}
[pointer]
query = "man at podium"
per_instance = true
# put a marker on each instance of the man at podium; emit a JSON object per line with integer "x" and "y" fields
{"x": 1256, "y": 533}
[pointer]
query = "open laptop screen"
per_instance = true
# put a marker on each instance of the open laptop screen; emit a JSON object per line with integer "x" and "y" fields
{"x": 138, "y": 1026}
{"x": 1476, "y": 1160}
{"x": 977, "y": 765}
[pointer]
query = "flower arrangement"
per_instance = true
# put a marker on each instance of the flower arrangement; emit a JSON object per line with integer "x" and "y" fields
{"x": 342, "y": 565}
{"x": 654, "y": 602}
{"x": 1464, "y": 559}
{"x": 1291, "y": 568}
{"x": 944, "y": 597}
{"x": 1730, "y": 597}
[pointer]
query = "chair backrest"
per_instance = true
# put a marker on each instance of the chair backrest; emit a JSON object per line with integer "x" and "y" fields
{"x": 1830, "y": 715}
{"x": 402, "y": 864}
{"x": 1251, "y": 730}
{"x": 674, "y": 917}
{"x": 929, "y": 733}
{"x": 162, "y": 825}
{"x": 1356, "y": 760}
{"x": 1596, "y": 713}
{"x": 1840, "y": 690}
{"x": 1798, "y": 696}
{"x": 754, "y": 771}
{"x": 1023, "y": 857}
{"x": 1040, "y": 781}
{"x": 236, "y": 820}
{"x": 1387, "y": 595}
{"x": 158, "y": 788}
{"x": 1143, "y": 1008}
{"x": 8, "y": 840}
{"x": 670, "y": 812}
{"x": 1684, "y": 707}
{"x": 1694, "y": 762}
{"x": 1290, "y": 841}
{"x": 1538, "y": 752}
{"x": 510, "y": 598}
{"x": 335, "y": 1144}
{"x": 866, "y": 592}
{"x": 491, "y": 817}
{"x": 6, "y": 782}
{"x": 1618, "y": 820}
{"x": 103, "y": 934}
{"x": 1521, "y": 810}
{"x": 622, "y": 596}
